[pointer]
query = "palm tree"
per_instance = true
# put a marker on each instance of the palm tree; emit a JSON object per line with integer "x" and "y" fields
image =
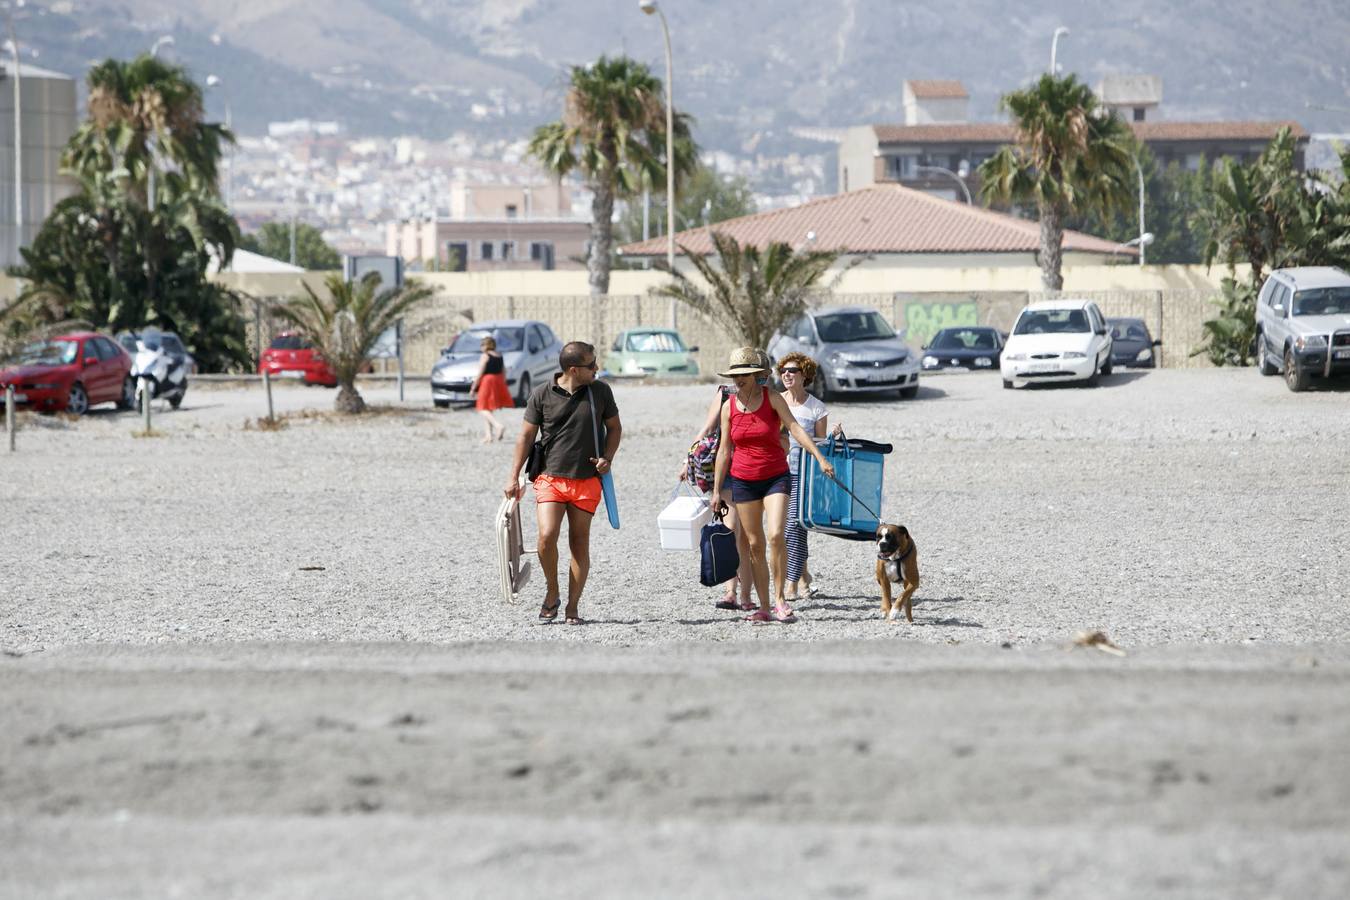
{"x": 1071, "y": 155}
{"x": 144, "y": 113}
{"x": 1257, "y": 211}
{"x": 750, "y": 294}
{"x": 345, "y": 325}
{"x": 613, "y": 131}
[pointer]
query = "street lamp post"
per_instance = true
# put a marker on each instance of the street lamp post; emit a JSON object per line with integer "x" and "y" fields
{"x": 1141, "y": 242}
{"x": 650, "y": 8}
{"x": 213, "y": 81}
{"x": 959, "y": 176}
{"x": 18, "y": 129}
{"x": 1139, "y": 170}
{"x": 162, "y": 41}
{"x": 1054, "y": 46}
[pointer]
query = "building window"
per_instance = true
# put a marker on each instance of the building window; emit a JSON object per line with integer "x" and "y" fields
{"x": 1139, "y": 113}
{"x": 901, "y": 166}
{"x": 510, "y": 210}
{"x": 508, "y": 249}
{"x": 542, "y": 253}
{"x": 457, "y": 256}
{"x": 485, "y": 249}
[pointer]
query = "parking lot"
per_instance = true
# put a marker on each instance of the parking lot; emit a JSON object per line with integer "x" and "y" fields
{"x": 289, "y": 641}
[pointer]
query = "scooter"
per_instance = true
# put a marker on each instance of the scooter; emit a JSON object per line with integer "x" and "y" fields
{"x": 156, "y": 372}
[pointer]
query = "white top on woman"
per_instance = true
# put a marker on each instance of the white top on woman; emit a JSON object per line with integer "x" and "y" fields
{"x": 807, "y": 415}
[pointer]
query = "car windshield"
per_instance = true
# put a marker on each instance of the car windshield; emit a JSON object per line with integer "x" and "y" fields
{"x": 46, "y": 353}
{"x": 289, "y": 342}
{"x": 507, "y": 339}
{"x": 963, "y": 339}
{"x": 172, "y": 344}
{"x": 1322, "y": 301}
{"x": 841, "y": 328}
{"x": 1052, "y": 321}
{"x": 1128, "y": 331}
{"x": 655, "y": 342}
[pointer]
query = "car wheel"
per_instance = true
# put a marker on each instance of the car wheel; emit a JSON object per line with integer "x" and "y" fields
{"x": 1264, "y": 364}
{"x": 909, "y": 393}
{"x": 441, "y": 404}
{"x": 77, "y": 403}
{"x": 128, "y": 398}
{"x": 524, "y": 393}
{"x": 176, "y": 398}
{"x": 1106, "y": 368}
{"x": 1294, "y": 376}
{"x": 1007, "y": 384}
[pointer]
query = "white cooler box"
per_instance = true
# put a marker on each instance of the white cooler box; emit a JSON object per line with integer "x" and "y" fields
{"x": 682, "y": 522}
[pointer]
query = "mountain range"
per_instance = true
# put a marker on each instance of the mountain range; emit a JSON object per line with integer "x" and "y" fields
{"x": 753, "y": 73}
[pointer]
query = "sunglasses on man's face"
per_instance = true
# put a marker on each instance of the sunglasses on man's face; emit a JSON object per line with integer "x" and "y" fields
{"x": 590, "y": 365}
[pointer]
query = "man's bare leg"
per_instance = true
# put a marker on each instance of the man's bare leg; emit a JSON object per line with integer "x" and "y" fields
{"x": 548, "y": 517}
{"x": 579, "y": 543}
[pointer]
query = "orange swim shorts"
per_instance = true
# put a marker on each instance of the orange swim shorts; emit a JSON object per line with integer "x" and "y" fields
{"x": 583, "y": 493}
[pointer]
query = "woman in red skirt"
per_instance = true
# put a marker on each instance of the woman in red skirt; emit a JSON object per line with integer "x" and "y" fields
{"x": 490, "y": 388}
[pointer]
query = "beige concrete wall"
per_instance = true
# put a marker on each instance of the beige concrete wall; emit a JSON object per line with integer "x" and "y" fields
{"x": 856, "y": 153}
{"x": 1174, "y": 300}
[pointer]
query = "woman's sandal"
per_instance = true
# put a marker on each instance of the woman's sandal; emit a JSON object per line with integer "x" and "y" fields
{"x": 548, "y": 613}
{"x": 784, "y": 615}
{"x": 760, "y": 617}
{"x": 727, "y": 603}
{"x": 575, "y": 620}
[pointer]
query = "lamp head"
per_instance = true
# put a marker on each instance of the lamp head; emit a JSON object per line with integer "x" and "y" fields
{"x": 1146, "y": 238}
{"x": 963, "y": 170}
{"x": 647, "y": 6}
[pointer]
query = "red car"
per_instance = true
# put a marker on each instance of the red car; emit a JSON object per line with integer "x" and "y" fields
{"x": 71, "y": 372}
{"x": 291, "y": 356}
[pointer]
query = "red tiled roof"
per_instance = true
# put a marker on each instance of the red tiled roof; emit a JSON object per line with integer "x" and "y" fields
{"x": 998, "y": 133}
{"x": 883, "y": 218}
{"x": 938, "y": 90}
{"x": 956, "y": 133}
{"x": 1213, "y": 131}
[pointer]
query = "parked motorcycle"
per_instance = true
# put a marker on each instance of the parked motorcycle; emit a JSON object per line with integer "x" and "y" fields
{"x": 165, "y": 372}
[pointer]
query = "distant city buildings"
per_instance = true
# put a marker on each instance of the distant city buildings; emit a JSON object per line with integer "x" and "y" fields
{"x": 495, "y": 226}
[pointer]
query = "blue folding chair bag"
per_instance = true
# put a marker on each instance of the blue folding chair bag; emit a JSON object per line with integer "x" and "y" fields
{"x": 849, "y": 506}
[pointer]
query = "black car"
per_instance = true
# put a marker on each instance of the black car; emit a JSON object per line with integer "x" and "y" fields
{"x": 1131, "y": 344}
{"x": 970, "y": 347}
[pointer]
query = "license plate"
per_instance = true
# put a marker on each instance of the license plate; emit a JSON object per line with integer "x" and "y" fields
{"x": 292, "y": 373}
{"x": 1043, "y": 367}
{"x": 20, "y": 398}
{"x": 880, "y": 377}
{"x": 1343, "y": 354}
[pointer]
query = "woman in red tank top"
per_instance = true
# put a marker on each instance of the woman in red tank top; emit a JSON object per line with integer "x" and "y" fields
{"x": 757, "y": 474}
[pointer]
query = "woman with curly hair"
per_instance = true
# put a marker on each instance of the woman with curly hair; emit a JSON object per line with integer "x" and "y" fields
{"x": 798, "y": 372}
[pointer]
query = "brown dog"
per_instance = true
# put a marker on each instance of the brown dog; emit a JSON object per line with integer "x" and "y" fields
{"x": 897, "y": 562}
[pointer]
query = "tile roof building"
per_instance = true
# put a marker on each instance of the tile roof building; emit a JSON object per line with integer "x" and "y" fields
{"x": 894, "y": 224}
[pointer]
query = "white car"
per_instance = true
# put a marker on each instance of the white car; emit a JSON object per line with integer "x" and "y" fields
{"x": 1058, "y": 340}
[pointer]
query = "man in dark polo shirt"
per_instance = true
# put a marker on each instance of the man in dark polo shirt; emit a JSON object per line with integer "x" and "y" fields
{"x": 570, "y": 484}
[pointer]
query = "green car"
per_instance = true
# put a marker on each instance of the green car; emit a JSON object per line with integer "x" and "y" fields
{"x": 658, "y": 352}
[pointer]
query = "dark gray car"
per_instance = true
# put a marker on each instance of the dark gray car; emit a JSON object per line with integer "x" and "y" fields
{"x": 528, "y": 348}
{"x": 857, "y": 350}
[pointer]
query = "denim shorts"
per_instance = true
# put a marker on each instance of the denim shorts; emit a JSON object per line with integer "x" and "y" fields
{"x": 743, "y": 491}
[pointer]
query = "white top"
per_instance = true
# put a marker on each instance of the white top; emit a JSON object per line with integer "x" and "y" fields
{"x": 807, "y": 415}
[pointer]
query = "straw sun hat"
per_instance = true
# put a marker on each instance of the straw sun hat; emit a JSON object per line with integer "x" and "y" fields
{"x": 744, "y": 361}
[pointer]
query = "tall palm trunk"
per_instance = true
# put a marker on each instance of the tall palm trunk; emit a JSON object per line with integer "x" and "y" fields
{"x": 1051, "y": 254}
{"x": 602, "y": 236}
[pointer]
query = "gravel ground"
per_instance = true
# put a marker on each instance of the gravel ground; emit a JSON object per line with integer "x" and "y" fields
{"x": 244, "y": 663}
{"x": 1172, "y": 507}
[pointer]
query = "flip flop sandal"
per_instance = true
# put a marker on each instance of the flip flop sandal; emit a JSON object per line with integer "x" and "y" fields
{"x": 759, "y": 618}
{"x": 727, "y": 604}
{"x": 575, "y": 620}
{"x": 748, "y": 606}
{"x": 549, "y": 613}
{"x": 784, "y": 616}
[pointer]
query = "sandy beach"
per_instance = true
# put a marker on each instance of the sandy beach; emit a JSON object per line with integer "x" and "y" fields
{"x": 240, "y": 662}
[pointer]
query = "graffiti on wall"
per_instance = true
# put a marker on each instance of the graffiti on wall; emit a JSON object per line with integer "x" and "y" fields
{"x": 923, "y": 320}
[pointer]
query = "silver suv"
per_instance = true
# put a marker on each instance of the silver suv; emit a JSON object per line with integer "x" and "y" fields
{"x": 1303, "y": 324}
